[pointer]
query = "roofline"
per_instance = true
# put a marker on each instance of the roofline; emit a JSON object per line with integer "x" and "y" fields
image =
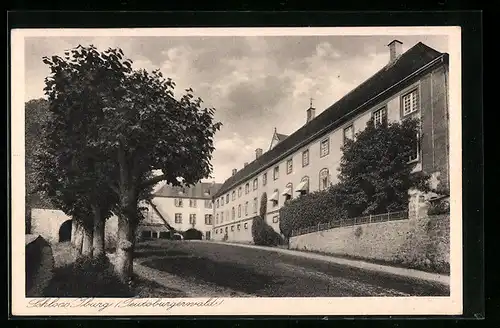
{"x": 440, "y": 58}
{"x": 395, "y": 40}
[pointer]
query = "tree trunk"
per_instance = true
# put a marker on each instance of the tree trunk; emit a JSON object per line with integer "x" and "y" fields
{"x": 73, "y": 231}
{"x": 87, "y": 240}
{"x": 98, "y": 233}
{"x": 78, "y": 238}
{"x": 125, "y": 248}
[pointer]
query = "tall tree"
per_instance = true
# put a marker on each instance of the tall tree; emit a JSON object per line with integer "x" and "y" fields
{"x": 133, "y": 125}
{"x": 148, "y": 129}
{"x": 75, "y": 173}
{"x": 375, "y": 171}
{"x": 36, "y": 114}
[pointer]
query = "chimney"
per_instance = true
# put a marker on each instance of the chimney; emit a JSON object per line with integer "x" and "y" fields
{"x": 311, "y": 111}
{"x": 258, "y": 152}
{"x": 395, "y": 50}
{"x": 245, "y": 164}
{"x": 234, "y": 171}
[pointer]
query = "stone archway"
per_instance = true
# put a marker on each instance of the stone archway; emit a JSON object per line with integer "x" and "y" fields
{"x": 65, "y": 231}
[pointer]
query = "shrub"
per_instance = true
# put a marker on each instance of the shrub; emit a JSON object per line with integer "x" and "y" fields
{"x": 263, "y": 234}
{"x": 193, "y": 234}
{"x": 438, "y": 207}
{"x": 311, "y": 209}
{"x": 263, "y": 205}
{"x": 87, "y": 277}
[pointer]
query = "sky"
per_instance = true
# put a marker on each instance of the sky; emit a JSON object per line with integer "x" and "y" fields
{"x": 255, "y": 83}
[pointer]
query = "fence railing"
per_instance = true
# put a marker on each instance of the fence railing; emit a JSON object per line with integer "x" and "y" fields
{"x": 391, "y": 216}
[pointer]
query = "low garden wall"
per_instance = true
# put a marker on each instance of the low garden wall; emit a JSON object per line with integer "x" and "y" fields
{"x": 421, "y": 242}
{"x": 39, "y": 265}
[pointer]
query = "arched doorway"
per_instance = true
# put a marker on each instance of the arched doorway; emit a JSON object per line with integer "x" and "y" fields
{"x": 65, "y": 231}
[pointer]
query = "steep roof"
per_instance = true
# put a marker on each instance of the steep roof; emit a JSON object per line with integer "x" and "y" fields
{"x": 415, "y": 58}
{"x": 202, "y": 190}
{"x": 281, "y": 137}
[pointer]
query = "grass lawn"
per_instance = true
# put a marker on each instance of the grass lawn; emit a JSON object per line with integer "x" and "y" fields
{"x": 96, "y": 278}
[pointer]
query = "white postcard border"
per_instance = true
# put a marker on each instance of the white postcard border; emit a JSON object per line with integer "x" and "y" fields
{"x": 451, "y": 305}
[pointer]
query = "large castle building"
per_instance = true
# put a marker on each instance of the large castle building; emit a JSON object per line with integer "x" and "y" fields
{"x": 412, "y": 84}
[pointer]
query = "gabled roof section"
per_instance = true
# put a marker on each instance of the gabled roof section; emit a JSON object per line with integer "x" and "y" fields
{"x": 409, "y": 62}
{"x": 281, "y": 137}
{"x": 201, "y": 190}
{"x": 276, "y": 139}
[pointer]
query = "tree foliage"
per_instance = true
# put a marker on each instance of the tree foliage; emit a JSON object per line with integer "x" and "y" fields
{"x": 375, "y": 177}
{"x": 310, "y": 209}
{"x": 375, "y": 174}
{"x": 263, "y": 234}
{"x": 263, "y": 205}
{"x": 112, "y": 127}
{"x": 36, "y": 114}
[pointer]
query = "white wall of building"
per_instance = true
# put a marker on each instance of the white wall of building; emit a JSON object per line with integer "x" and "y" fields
{"x": 166, "y": 206}
{"x": 312, "y": 170}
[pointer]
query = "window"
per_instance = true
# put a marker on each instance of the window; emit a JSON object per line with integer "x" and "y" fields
{"x": 246, "y": 208}
{"x": 255, "y": 184}
{"x": 233, "y": 195}
{"x": 410, "y": 102}
{"x": 275, "y": 198}
{"x": 239, "y": 192}
{"x": 178, "y": 217}
{"x": 238, "y": 227}
{"x": 217, "y": 203}
{"x": 221, "y": 217}
{"x": 304, "y": 186}
{"x": 208, "y": 219}
{"x": 275, "y": 219}
{"x": 222, "y": 201}
{"x": 239, "y": 211}
{"x": 324, "y": 148}
{"x": 348, "y": 133}
{"x": 233, "y": 214}
{"x": 192, "y": 203}
{"x": 247, "y": 188}
{"x": 276, "y": 172}
{"x": 246, "y": 225}
{"x": 289, "y": 166}
{"x": 255, "y": 202}
{"x": 192, "y": 219}
{"x": 208, "y": 203}
{"x": 227, "y": 199}
{"x": 264, "y": 179}
{"x": 178, "y": 202}
{"x": 288, "y": 192}
{"x": 416, "y": 150}
{"x": 380, "y": 117}
{"x": 217, "y": 218}
{"x": 305, "y": 157}
{"x": 232, "y": 228}
{"x": 324, "y": 179}
{"x": 225, "y": 229}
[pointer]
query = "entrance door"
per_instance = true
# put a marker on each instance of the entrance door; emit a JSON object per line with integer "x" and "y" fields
{"x": 207, "y": 235}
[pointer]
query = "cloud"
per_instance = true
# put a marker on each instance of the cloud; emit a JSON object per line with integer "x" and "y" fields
{"x": 255, "y": 84}
{"x": 233, "y": 151}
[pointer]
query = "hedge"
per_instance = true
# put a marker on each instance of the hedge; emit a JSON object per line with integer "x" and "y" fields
{"x": 263, "y": 234}
{"x": 311, "y": 209}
